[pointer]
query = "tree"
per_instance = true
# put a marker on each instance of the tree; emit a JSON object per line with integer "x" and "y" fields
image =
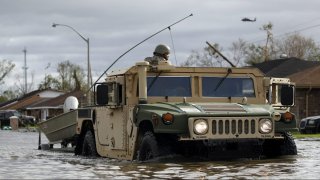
{"x": 244, "y": 53}
{"x": 294, "y": 45}
{"x": 70, "y": 77}
{"x": 269, "y": 47}
{"x": 260, "y": 53}
{"x": 205, "y": 58}
{"x": 6, "y": 67}
{"x": 50, "y": 82}
{"x": 8, "y": 94}
{"x": 254, "y": 54}
{"x": 298, "y": 46}
{"x": 20, "y": 84}
{"x": 239, "y": 50}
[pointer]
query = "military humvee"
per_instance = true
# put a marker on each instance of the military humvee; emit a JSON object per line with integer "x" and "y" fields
{"x": 148, "y": 111}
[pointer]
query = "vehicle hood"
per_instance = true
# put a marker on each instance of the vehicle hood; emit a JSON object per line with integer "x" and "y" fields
{"x": 214, "y": 108}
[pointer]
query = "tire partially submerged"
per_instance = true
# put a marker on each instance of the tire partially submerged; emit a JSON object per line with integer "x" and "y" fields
{"x": 89, "y": 145}
{"x": 148, "y": 148}
{"x": 287, "y": 146}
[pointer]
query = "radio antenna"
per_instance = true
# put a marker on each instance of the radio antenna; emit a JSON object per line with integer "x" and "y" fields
{"x": 168, "y": 27}
{"x": 221, "y": 55}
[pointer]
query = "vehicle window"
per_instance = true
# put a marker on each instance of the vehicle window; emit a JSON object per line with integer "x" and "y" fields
{"x": 8, "y": 115}
{"x": 169, "y": 86}
{"x": 227, "y": 87}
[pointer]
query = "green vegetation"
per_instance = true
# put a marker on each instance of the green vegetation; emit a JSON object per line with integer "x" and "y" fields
{"x": 298, "y": 135}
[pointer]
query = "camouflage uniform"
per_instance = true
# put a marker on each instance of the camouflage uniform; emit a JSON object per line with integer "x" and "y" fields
{"x": 161, "y": 53}
{"x": 154, "y": 60}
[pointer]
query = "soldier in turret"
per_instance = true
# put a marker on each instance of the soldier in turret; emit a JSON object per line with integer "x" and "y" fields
{"x": 161, "y": 53}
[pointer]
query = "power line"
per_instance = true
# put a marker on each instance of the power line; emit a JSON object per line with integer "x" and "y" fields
{"x": 292, "y": 32}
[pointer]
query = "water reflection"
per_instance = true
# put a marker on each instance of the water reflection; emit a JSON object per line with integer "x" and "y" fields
{"x": 20, "y": 159}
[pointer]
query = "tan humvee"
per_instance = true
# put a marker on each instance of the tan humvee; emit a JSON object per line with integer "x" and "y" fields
{"x": 147, "y": 111}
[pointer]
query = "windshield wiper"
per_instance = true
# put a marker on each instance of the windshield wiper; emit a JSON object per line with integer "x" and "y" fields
{"x": 153, "y": 81}
{"x": 221, "y": 80}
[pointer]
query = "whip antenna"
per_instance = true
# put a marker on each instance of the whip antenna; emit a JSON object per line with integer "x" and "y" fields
{"x": 221, "y": 55}
{"x": 138, "y": 45}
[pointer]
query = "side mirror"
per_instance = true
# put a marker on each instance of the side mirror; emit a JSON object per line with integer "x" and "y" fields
{"x": 102, "y": 94}
{"x": 287, "y": 95}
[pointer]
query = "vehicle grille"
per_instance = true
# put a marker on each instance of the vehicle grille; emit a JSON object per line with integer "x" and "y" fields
{"x": 234, "y": 126}
{"x": 230, "y": 128}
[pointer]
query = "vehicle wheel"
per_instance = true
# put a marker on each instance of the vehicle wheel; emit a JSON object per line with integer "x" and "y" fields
{"x": 89, "y": 145}
{"x": 78, "y": 148}
{"x": 280, "y": 148}
{"x": 289, "y": 146}
{"x": 148, "y": 147}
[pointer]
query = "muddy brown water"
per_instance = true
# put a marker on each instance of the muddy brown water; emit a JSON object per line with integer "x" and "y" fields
{"x": 21, "y": 159}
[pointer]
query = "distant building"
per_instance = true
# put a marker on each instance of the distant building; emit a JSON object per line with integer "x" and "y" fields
{"x": 41, "y": 103}
{"x": 53, "y": 106}
{"x": 26, "y": 100}
{"x": 306, "y": 76}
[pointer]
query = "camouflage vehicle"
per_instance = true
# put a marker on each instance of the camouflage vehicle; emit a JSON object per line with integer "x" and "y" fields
{"x": 148, "y": 111}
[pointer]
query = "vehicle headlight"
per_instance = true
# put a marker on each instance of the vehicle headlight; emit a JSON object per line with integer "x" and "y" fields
{"x": 200, "y": 126}
{"x": 265, "y": 126}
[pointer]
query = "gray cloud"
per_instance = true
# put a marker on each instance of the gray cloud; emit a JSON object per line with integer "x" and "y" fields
{"x": 114, "y": 26}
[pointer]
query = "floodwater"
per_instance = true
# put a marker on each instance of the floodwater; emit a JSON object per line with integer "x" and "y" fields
{"x": 21, "y": 159}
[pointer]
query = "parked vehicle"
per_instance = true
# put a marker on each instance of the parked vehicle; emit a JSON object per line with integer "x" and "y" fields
{"x": 310, "y": 125}
{"x": 23, "y": 119}
{"x": 147, "y": 111}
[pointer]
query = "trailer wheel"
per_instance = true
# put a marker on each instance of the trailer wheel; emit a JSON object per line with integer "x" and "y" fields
{"x": 89, "y": 145}
{"x": 148, "y": 148}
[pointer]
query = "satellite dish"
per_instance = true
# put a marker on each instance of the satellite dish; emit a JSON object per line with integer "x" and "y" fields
{"x": 71, "y": 103}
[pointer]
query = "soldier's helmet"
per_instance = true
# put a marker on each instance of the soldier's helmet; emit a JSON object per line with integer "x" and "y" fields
{"x": 162, "y": 49}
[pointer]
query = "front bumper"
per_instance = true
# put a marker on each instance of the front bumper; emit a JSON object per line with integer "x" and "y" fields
{"x": 222, "y": 128}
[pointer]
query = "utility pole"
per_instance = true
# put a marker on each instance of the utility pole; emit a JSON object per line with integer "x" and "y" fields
{"x": 89, "y": 76}
{"x": 268, "y": 28}
{"x": 25, "y": 71}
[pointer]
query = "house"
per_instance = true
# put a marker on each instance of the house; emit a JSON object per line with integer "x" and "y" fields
{"x": 54, "y": 106}
{"x": 308, "y": 92}
{"x": 41, "y": 103}
{"x": 306, "y": 76}
{"x": 23, "y": 102}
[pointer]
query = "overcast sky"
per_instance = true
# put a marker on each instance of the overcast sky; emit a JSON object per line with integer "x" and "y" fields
{"x": 114, "y": 26}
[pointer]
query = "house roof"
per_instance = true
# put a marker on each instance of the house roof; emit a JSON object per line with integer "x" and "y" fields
{"x": 29, "y": 98}
{"x": 56, "y": 102}
{"x": 285, "y": 67}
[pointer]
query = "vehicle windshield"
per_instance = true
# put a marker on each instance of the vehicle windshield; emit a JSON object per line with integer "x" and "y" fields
{"x": 230, "y": 87}
{"x": 169, "y": 86}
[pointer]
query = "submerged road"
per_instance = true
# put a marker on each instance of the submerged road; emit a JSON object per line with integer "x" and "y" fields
{"x": 21, "y": 159}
